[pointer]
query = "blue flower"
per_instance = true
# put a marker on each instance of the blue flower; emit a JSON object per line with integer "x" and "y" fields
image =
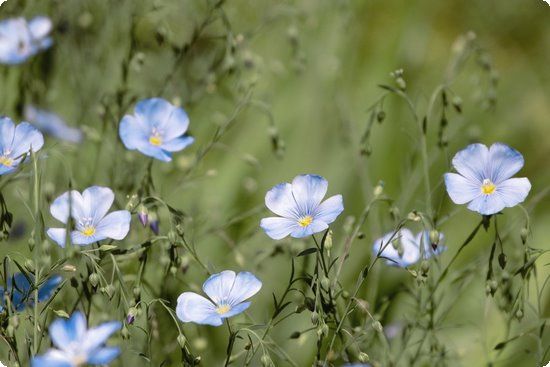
{"x": 76, "y": 345}
{"x": 19, "y": 39}
{"x": 483, "y": 178}
{"x": 404, "y": 248}
{"x": 156, "y": 129}
{"x": 300, "y": 208}
{"x": 15, "y": 142}
{"x": 227, "y": 292}
{"x": 52, "y": 124}
{"x": 89, "y": 212}
{"x": 21, "y": 292}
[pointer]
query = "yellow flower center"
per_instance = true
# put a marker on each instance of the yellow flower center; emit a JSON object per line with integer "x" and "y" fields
{"x": 488, "y": 187}
{"x": 223, "y": 309}
{"x": 6, "y": 161}
{"x": 155, "y": 140}
{"x": 305, "y": 221}
{"x": 88, "y": 231}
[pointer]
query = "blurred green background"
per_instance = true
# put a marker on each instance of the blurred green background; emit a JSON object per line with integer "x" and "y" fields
{"x": 312, "y": 68}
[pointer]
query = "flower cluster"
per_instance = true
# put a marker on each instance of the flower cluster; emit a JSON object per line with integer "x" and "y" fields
{"x": 21, "y": 39}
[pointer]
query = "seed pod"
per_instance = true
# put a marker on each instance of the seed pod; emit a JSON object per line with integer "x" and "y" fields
{"x": 94, "y": 279}
{"x": 314, "y": 318}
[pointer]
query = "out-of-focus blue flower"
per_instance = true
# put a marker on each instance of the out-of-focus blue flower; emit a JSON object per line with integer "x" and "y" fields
{"x": 156, "y": 129}
{"x": 300, "y": 208}
{"x": 404, "y": 248}
{"x": 227, "y": 292}
{"x": 51, "y": 124}
{"x": 76, "y": 345}
{"x": 15, "y": 142}
{"x": 483, "y": 178}
{"x": 89, "y": 212}
{"x": 21, "y": 291}
{"x": 20, "y": 40}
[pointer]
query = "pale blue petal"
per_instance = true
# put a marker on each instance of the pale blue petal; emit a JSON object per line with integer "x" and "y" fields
{"x": 52, "y": 358}
{"x": 20, "y": 288}
{"x": 60, "y": 207}
{"x": 63, "y": 332}
{"x": 235, "y": 310}
{"x": 175, "y": 125}
{"x": 315, "y": 227}
{"x": 406, "y": 240}
{"x": 5, "y": 170}
{"x": 97, "y": 201}
{"x": 52, "y": 124}
{"x": 154, "y": 111}
{"x": 504, "y": 162}
{"x": 115, "y": 225}
{"x": 277, "y": 227}
{"x": 7, "y": 131}
{"x": 245, "y": 286}
{"x": 192, "y": 307}
{"x": 40, "y": 27}
{"x": 423, "y": 238}
{"x": 155, "y": 152}
{"x": 460, "y": 189}
{"x": 514, "y": 191}
{"x": 134, "y": 132}
{"x": 329, "y": 209}
{"x": 280, "y": 201}
{"x": 97, "y": 336}
{"x": 487, "y": 204}
{"x": 79, "y": 238}
{"x": 178, "y": 144}
{"x": 58, "y": 235}
{"x": 26, "y": 137}
{"x": 472, "y": 162}
{"x": 308, "y": 191}
{"x": 103, "y": 356}
{"x": 218, "y": 286}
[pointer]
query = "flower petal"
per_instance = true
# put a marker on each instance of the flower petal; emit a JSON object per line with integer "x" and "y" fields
{"x": 308, "y": 191}
{"x": 235, "y": 310}
{"x": 40, "y": 26}
{"x": 461, "y": 189}
{"x": 472, "y": 162}
{"x": 245, "y": 286}
{"x": 134, "y": 132}
{"x": 178, "y": 144}
{"x": 409, "y": 246}
{"x": 60, "y": 207}
{"x": 504, "y": 162}
{"x": 175, "y": 125}
{"x": 315, "y": 227}
{"x": 192, "y": 307}
{"x": 47, "y": 288}
{"x": 329, "y": 209}
{"x": 52, "y": 358}
{"x": 97, "y": 201}
{"x": 63, "y": 332}
{"x": 154, "y": 111}
{"x": 280, "y": 201}
{"x": 487, "y": 204}
{"x": 97, "y": 336}
{"x": 26, "y": 137}
{"x": 7, "y": 131}
{"x": 277, "y": 227}
{"x": 58, "y": 235}
{"x": 103, "y": 356}
{"x": 218, "y": 286}
{"x": 514, "y": 191}
{"x": 79, "y": 238}
{"x": 115, "y": 225}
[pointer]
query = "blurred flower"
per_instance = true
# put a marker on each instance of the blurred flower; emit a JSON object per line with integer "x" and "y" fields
{"x": 300, "y": 208}
{"x": 20, "y": 39}
{"x": 404, "y": 248}
{"x": 77, "y": 345}
{"x": 21, "y": 291}
{"x": 89, "y": 212}
{"x": 483, "y": 178}
{"x": 156, "y": 129}
{"x": 51, "y": 124}
{"x": 227, "y": 293}
{"x": 15, "y": 142}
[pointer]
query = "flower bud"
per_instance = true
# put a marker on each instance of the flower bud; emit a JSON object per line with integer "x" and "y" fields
{"x": 457, "y": 104}
{"x": 325, "y": 283}
{"x": 69, "y": 268}
{"x": 182, "y": 340}
{"x": 172, "y": 237}
{"x": 519, "y": 314}
{"x": 29, "y": 265}
{"x": 143, "y": 215}
{"x": 314, "y": 318}
{"x": 132, "y": 202}
{"x": 425, "y": 267}
{"x": 434, "y": 238}
{"x": 380, "y": 116}
{"x": 363, "y": 357}
{"x": 379, "y": 189}
{"x": 328, "y": 240}
{"x": 377, "y": 326}
{"x": 94, "y": 279}
{"x": 137, "y": 292}
{"x": 414, "y": 216}
{"x": 524, "y": 233}
{"x": 154, "y": 225}
{"x": 266, "y": 360}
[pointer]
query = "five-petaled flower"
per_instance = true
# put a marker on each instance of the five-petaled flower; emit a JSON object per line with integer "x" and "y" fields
{"x": 15, "y": 142}
{"x": 483, "y": 178}
{"x": 156, "y": 129}
{"x": 89, "y": 212}
{"x": 20, "y": 40}
{"x": 227, "y": 292}
{"x": 20, "y": 290}
{"x": 403, "y": 248}
{"x": 300, "y": 208}
{"x": 76, "y": 345}
{"x": 51, "y": 124}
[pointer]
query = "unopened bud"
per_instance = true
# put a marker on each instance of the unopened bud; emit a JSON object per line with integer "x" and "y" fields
{"x": 143, "y": 215}
{"x": 425, "y": 267}
{"x": 155, "y": 227}
{"x": 379, "y": 189}
{"x": 414, "y": 216}
{"x": 314, "y": 317}
{"x": 328, "y": 240}
{"x": 325, "y": 283}
{"x": 172, "y": 237}
{"x": 182, "y": 340}
{"x": 377, "y": 326}
{"x": 94, "y": 279}
{"x": 69, "y": 268}
{"x": 380, "y": 116}
{"x": 457, "y": 104}
{"x": 137, "y": 292}
{"x": 434, "y": 238}
{"x": 524, "y": 233}
{"x": 519, "y": 314}
{"x": 363, "y": 357}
